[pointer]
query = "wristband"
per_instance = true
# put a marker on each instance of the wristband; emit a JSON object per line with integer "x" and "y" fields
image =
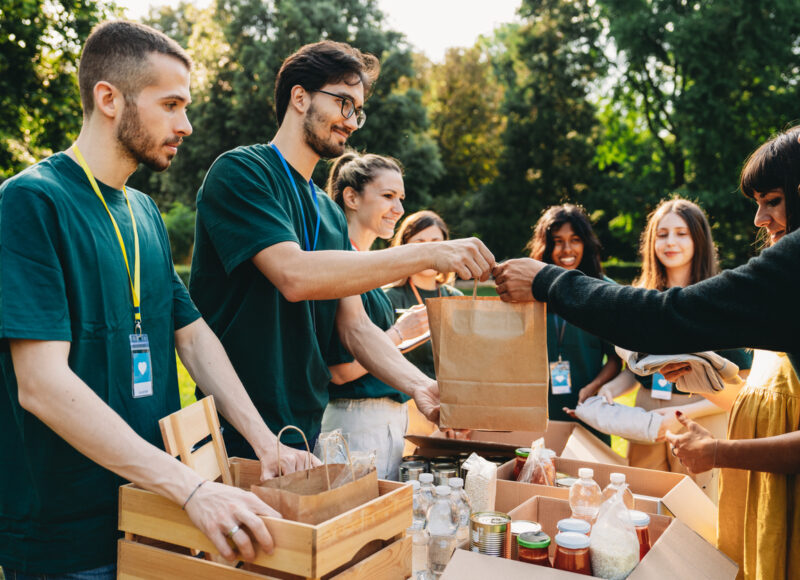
{"x": 191, "y": 495}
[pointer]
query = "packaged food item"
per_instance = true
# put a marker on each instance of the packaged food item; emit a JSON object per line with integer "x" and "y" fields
{"x": 572, "y": 553}
{"x": 520, "y": 527}
{"x": 614, "y": 544}
{"x": 521, "y": 456}
{"x": 574, "y": 525}
{"x": 533, "y": 547}
{"x": 539, "y": 467}
{"x": 481, "y": 483}
{"x": 641, "y": 522}
{"x": 411, "y": 470}
{"x": 585, "y": 496}
{"x": 442, "y": 530}
{"x": 488, "y": 533}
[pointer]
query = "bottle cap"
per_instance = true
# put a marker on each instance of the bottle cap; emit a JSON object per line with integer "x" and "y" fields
{"x": 414, "y": 484}
{"x": 442, "y": 490}
{"x": 523, "y": 452}
{"x": 617, "y": 478}
{"x": 572, "y": 540}
{"x": 455, "y": 482}
{"x": 584, "y": 472}
{"x": 426, "y": 478}
{"x": 533, "y": 540}
{"x": 639, "y": 518}
{"x": 574, "y": 525}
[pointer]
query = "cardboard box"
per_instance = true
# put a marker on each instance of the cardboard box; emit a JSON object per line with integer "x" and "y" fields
{"x": 677, "y": 552}
{"x": 655, "y": 492}
{"x": 567, "y": 439}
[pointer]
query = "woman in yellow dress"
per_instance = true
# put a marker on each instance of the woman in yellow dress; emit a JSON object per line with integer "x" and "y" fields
{"x": 759, "y": 492}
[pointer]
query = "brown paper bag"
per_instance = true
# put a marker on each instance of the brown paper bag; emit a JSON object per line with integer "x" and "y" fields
{"x": 491, "y": 362}
{"x": 306, "y": 496}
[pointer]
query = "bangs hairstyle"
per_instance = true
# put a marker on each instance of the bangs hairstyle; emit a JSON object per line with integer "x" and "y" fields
{"x": 117, "y": 52}
{"x": 322, "y": 63}
{"x": 542, "y": 243}
{"x": 356, "y": 170}
{"x": 704, "y": 261}
{"x": 775, "y": 165}
{"x": 414, "y": 224}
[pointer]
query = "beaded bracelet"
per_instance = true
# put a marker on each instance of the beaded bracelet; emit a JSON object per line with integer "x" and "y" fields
{"x": 191, "y": 495}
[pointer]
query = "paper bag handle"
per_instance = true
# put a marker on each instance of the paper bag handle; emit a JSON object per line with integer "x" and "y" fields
{"x": 308, "y": 457}
{"x": 474, "y": 288}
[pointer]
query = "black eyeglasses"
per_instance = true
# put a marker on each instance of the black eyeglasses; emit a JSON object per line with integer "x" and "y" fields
{"x": 348, "y": 107}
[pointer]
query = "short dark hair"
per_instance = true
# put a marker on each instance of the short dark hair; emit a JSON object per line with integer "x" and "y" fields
{"x": 542, "y": 243}
{"x": 356, "y": 170}
{"x": 117, "y": 52}
{"x": 326, "y": 62}
{"x": 776, "y": 165}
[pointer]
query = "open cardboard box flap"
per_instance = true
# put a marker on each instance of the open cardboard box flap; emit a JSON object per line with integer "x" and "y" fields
{"x": 677, "y": 552}
{"x": 567, "y": 439}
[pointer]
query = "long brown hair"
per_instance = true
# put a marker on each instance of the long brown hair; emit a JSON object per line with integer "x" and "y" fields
{"x": 542, "y": 243}
{"x": 704, "y": 261}
{"x": 414, "y": 224}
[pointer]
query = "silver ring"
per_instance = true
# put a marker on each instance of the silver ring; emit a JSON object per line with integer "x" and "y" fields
{"x": 233, "y": 530}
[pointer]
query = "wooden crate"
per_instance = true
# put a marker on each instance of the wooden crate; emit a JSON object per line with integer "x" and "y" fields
{"x": 361, "y": 541}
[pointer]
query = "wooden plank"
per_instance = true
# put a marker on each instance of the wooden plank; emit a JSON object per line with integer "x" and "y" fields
{"x": 391, "y": 563}
{"x": 140, "y": 562}
{"x": 150, "y": 515}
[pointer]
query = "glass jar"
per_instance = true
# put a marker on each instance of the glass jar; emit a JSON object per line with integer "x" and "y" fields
{"x": 574, "y": 525}
{"x": 641, "y": 521}
{"x": 532, "y": 547}
{"x": 572, "y": 553}
{"x": 520, "y": 459}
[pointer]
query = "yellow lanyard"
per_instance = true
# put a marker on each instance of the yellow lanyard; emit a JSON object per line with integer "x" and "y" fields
{"x": 135, "y": 282}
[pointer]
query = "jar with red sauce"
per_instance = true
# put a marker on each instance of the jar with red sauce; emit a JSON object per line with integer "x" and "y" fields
{"x": 641, "y": 521}
{"x": 533, "y": 548}
{"x": 520, "y": 459}
{"x": 572, "y": 553}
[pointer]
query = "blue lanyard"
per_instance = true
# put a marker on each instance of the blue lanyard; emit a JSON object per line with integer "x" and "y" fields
{"x": 308, "y": 247}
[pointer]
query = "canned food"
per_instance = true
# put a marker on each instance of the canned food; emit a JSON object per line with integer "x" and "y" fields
{"x": 442, "y": 472}
{"x": 499, "y": 460}
{"x": 411, "y": 470}
{"x": 565, "y": 481}
{"x": 421, "y": 458}
{"x": 442, "y": 459}
{"x": 520, "y": 527}
{"x": 462, "y": 457}
{"x": 488, "y": 531}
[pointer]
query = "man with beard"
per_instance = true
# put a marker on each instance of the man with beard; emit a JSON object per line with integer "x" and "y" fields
{"x": 90, "y": 318}
{"x": 272, "y": 270}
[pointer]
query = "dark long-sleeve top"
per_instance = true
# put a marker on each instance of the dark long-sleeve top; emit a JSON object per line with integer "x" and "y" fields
{"x": 756, "y": 305}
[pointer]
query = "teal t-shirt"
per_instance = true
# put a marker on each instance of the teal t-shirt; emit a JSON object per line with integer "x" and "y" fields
{"x": 403, "y": 297}
{"x": 381, "y": 313}
{"x": 63, "y": 278}
{"x": 280, "y": 349}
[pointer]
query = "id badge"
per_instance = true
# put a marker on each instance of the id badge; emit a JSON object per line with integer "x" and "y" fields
{"x": 560, "y": 381}
{"x": 142, "y": 375}
{"x": 662, "y": 388}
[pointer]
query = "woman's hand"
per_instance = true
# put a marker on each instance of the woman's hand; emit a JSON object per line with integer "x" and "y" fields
{"x": 696, "y": 448}
{"x": 586, "y": 392}
{"x": 668, "y": 423}
{"x": 412, "y": 323}
{"x": 457, "y": 433}
{"x": 673, "y": 371}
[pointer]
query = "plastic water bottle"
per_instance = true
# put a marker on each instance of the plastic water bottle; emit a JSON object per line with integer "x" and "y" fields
{"x": 442, "y": 529}
{"x": 460, "y": 502}
{"x": 585, "y": 496}
{"x": 426, "y": 487}
{"x": 617, "y": 482}
{"x": 417, "y": 531}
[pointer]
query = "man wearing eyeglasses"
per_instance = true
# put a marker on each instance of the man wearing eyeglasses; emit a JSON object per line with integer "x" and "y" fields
{"x": 272, "y": 270}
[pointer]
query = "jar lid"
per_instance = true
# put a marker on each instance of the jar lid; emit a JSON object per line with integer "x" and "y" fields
{"x": 533, "y": 540}
{"x": 639, "y": 518}
{"x": 572, "y": 540}
{"x": 574, "y": 525}
{"x": 521, "y": 526}
{"x": 523, "y": 451}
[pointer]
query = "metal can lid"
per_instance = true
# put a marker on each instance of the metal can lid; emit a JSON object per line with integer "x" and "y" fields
{"x": 522, "y": 526}
{"x": 572, "y": 540}
{"x": 522, "y": 451}
{"x": 639, "y": 518}
{"x": 533, "y": 540}
{"x": 565, "y": 481}
{"x": 490, "y": 518}
{"x": 573, "y": 525}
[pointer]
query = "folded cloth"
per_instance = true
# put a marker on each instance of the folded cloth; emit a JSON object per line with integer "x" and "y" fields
{"x": 709, "y": 371}
{"x": 629, "y": 422}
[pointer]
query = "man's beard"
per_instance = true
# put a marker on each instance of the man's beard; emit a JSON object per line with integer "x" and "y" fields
{"x": 325, "y": 149}
{"x": 135, "y": 140}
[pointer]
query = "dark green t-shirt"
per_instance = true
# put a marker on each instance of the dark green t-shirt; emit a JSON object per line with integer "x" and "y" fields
{"x": 246, "y": 204}
{"x": 403, "y": 297}
{"x": 381, "y": 313}
{"x": 63, "y": 278}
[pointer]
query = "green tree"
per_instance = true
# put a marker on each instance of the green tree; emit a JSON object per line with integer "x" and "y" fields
{"x": 40, "y": 109}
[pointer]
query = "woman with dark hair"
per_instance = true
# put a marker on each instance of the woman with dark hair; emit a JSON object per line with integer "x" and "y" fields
{"x": 580, "y": 363}
{"x": 677, "y": 250}
{"x": 369, "y": 189}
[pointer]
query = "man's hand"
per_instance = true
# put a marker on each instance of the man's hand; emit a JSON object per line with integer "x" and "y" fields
{"x": 695, "y": 448}
{"x": 515, "y": 277}
{"x": 217, "y": 509}
{"x": 469, "y": 258}
{"x": 427, "y": 401}
{"x": 291, "y": 460}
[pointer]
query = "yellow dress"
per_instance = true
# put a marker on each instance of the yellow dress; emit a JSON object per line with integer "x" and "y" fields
{"x": 759, "y": 513}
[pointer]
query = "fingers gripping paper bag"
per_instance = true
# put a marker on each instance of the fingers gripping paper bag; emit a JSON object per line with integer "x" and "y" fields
{"x": 491, "y": 362}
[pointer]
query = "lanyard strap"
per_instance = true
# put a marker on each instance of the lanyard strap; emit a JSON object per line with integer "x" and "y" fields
{"x": 136, "y": 281}
{"x": 308, "y": 247}
{"x": 560, "y": 330}
{"x": 416, "y": 292}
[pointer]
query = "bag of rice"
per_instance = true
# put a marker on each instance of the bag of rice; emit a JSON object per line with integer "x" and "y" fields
{"x": 481, "y": 483}
{"x": 614, "y": 547}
